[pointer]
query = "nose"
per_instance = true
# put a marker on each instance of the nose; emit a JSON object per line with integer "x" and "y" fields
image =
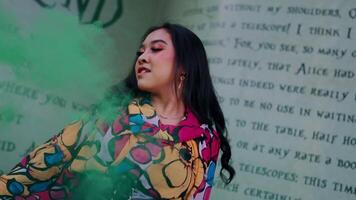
{"x": 143, "y": 58}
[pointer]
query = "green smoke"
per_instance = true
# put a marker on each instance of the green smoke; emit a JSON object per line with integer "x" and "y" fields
{"x": 58, "y": 55}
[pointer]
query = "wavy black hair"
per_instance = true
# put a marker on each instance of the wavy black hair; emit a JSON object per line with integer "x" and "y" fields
{"x": 198, "y": 90}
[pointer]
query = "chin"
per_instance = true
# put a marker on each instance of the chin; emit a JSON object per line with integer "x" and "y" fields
{"x": 144, "y": 87}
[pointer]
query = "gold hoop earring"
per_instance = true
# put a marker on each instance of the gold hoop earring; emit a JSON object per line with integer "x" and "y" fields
{"x": 182, "y": 77}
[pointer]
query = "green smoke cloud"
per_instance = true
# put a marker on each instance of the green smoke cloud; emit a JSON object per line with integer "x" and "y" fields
{"x": 58, "y": 55}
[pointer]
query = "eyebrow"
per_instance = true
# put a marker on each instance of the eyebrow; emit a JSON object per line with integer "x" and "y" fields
{"x": 155, "y": 41}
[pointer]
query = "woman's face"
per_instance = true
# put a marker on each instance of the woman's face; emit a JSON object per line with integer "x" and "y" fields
{"x": 155, "y": 64}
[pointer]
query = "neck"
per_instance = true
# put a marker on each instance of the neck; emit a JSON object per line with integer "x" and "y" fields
{"x": 169, "y": 106}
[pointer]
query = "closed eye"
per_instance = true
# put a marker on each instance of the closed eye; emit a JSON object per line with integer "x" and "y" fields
{"x": 155, "y": 49}
{"x": 139, "y": 53}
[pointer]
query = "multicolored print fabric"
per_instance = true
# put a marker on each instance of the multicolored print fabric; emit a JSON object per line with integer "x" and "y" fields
{"x": 135, "y": 157}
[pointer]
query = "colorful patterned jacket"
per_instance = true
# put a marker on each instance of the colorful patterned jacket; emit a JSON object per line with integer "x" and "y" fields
{"x": 135, "y": 157}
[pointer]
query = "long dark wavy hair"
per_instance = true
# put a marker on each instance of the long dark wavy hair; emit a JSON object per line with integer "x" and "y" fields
{"x": 198, "y": 90}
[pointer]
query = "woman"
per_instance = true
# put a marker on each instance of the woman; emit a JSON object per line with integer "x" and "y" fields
{"x": 163, "y": 145}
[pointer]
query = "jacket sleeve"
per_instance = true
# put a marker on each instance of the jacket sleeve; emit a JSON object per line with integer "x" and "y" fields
{"x": 41, "y": 167}
{"x": 50, "y": 171}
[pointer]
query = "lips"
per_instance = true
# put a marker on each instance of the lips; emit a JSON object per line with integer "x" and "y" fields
{"x": 143, "y": 70}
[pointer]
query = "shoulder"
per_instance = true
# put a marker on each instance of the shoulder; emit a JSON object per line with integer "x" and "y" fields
{"x": 210, "y": 143}
{"x": 210, "y": 133}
